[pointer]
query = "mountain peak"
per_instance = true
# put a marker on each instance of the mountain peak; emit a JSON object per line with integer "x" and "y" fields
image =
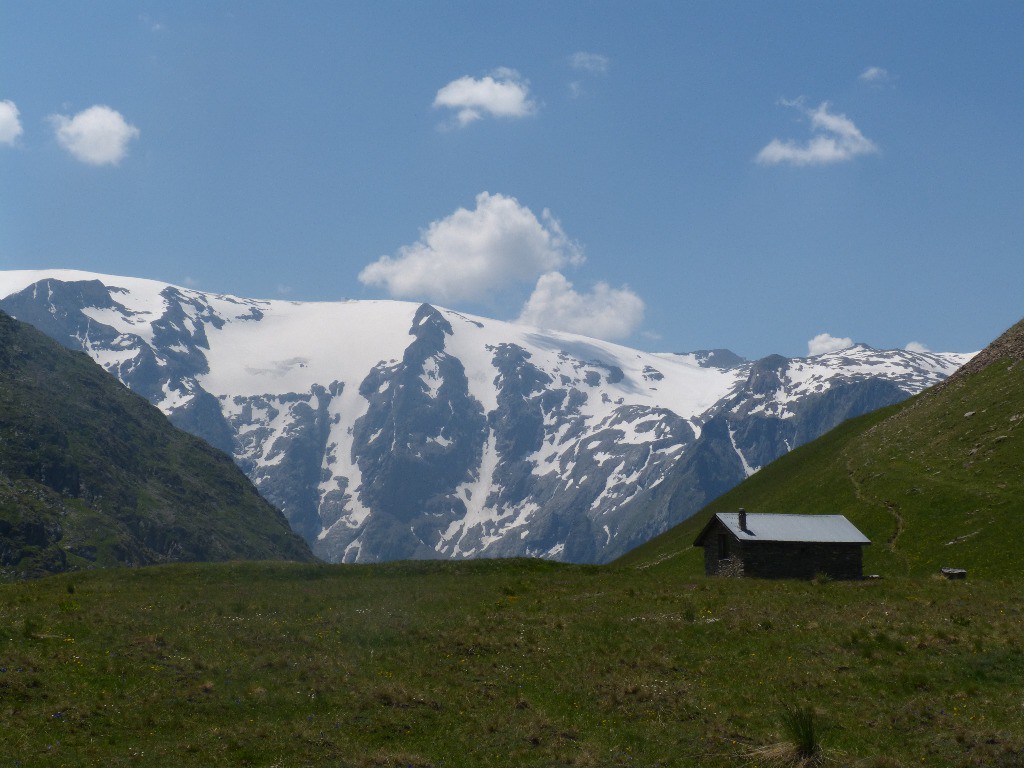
{"x": 719, "y": 358}
{"x": 428, "y": 314}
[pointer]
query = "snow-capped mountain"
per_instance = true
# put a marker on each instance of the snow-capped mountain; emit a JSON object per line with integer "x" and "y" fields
{"x": 387, "y": 429}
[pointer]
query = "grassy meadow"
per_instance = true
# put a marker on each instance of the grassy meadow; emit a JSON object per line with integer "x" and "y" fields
{"x": 504, "y": 663}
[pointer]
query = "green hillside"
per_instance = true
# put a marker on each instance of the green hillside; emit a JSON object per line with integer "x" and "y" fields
{"x": 936, "y": 481}
{"x": 93, "y": 475}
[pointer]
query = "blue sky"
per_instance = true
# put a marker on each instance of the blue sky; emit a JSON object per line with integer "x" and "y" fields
{"x": 675, "y": 176}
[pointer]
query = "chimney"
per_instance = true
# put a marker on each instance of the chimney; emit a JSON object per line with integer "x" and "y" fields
{"x": 743, "y": 520}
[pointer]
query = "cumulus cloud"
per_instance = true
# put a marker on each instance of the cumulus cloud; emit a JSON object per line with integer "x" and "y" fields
{"x": 916, "y": 346}
{"x": 10, "y": 124}
{"x": 836, "y": 139}
{"x": 594, "y": 63}
{"x": 874, "y": 75}
{"x": 825, "y": 342}
{"x": 605, "y": 312}
{"x": 503, "y": 93}
{"x": 98, "y": 135}
{"x": 471, "y": 254}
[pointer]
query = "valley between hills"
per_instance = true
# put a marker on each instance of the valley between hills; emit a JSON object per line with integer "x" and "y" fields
{"x": 516, "y": 662}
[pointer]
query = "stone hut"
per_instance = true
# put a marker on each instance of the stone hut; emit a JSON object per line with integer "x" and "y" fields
{"x": 782, "y": 546}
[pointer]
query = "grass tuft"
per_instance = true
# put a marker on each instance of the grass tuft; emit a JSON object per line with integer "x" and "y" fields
{"x": 800, "y": 724}
{"x": 802, "y": 745}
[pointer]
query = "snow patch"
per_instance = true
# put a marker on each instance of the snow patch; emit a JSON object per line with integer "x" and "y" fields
{"x": 747, "y": 469}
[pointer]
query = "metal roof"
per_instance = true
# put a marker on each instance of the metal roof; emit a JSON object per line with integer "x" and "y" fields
{"x": 825, "y": 529}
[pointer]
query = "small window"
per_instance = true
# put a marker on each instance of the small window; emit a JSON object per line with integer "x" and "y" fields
{"x": 723, "y": 546}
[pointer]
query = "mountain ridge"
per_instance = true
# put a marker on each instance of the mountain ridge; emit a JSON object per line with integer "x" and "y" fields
{"x": 390, "y": 429}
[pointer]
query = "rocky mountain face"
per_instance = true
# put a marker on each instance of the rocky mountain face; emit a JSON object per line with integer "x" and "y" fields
{"x": 389, "y": 430}
{"x": 93, "y": 475}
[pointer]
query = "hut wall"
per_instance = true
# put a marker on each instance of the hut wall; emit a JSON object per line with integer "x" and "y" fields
{"x": 802, "y": 560}
{"x": 716, "y": 561}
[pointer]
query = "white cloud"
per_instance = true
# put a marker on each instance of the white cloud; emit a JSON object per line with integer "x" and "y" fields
{"x": 594, "y": 63}
{"x": 10, "y": 125}
{"x": 825, "y": 342}
{"x": 590, "y": 63}
{"x": 503, "y": 93}
{"x": 916, "y": 346}
{"x": 873, "y": 75}
{"x": 151, "y": 23}
{"x": 604, "y": 313}
{"x": 98, "y": 135}
{"x": 471, "y": 254}
{"x": 835, "y": 140}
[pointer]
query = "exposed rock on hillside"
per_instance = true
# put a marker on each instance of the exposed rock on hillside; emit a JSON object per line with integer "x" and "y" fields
{"x": 1009, "y": 346}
